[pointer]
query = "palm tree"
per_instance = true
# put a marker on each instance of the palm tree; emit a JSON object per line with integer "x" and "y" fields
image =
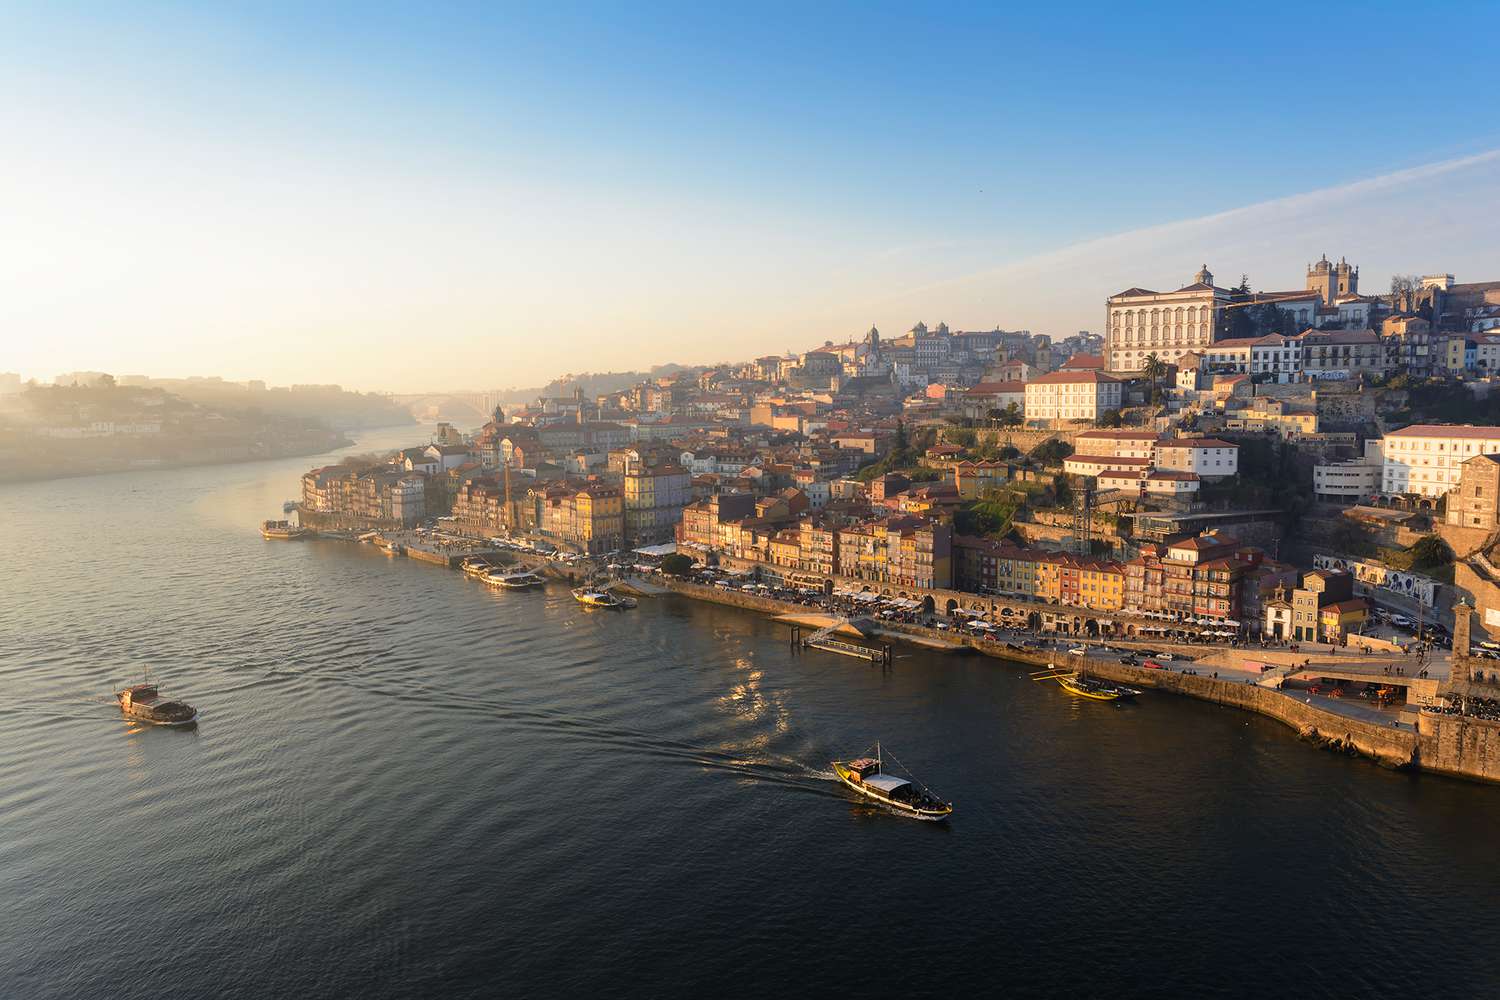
{"x": 1153, "y": 368}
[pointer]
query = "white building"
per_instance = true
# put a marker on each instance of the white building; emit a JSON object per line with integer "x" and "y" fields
{"x": 1272, "y": 355}
{"x": 1117, "y": 444}
{"x": 1140, "y": 322}
{"x": 1210, "y": 458}
{"x": 1425, "y": 458}
{"x": 1161, "y": 483}
{"x": 1098, "y": 465}
{"x": 408, "y": 499}
{"x": 1065, "y": 396}
{"x": 1346, "y": 482}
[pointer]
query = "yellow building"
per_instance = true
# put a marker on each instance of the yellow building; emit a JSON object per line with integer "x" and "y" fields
{"x": 599, "y": 518}
{"x": 1102, "y": 586}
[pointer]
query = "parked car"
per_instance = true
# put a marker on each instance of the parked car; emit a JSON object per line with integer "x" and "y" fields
{"x": 1130, "y": 661}
{"x": 1165, "y": 656}
{"x": 1153, "y": 665}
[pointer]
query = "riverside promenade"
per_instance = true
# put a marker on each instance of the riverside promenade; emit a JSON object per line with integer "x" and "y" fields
{"x": 1456, "y": 746}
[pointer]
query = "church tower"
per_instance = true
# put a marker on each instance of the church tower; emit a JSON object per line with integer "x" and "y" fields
{"x": 1347, "y": 278}
{"x": 1204, "y": 276}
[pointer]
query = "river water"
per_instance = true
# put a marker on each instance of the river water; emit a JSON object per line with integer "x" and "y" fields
{"x": 406, "y": 785}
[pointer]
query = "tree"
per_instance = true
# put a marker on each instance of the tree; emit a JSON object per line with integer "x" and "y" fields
{"x": 677, "y": 564}
{"x": 1012, "y": 416}
{"x": 1062, "y": 490}
{"x": 1404, "y": 285}
{"x": 900, "y": 435}
{"x": 1110, "y": 418}
{"x": 1009, "y": 452}
{"x": 1236, "y": 321}
{"x": 1430, "y": 553}
{"x": 1052, "y": 452}
{"x": 1153, "y": 368}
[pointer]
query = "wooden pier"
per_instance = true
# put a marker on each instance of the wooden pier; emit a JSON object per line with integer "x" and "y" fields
{"x": 875, "y": 654}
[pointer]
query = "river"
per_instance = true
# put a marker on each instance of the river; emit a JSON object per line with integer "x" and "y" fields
{"x": 407, "y": 785}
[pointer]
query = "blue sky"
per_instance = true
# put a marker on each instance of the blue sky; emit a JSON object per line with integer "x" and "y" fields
{"x": 548, "y": 189}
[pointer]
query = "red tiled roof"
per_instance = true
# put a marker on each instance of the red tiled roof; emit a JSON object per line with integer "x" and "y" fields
{"x": 1064, "y": 378}
{"x": 1448, "y": 431}
{"x": 1195, "y": 443}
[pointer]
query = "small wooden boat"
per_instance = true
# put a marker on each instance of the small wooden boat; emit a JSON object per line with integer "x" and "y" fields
{"x": 143, "y": 703}
{"x": 591, "y": 597}
{"x": 866, "y": 775}
{"x": 285, "y": 530}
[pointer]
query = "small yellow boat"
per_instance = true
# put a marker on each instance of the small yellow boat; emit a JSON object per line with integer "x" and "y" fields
{"x": 866, "y": 776}
{"x": 591, "y": 597}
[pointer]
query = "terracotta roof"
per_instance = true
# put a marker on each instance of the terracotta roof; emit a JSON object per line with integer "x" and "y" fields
{"x": 1448, "y": 431}
{"x": 1118, "y": 436}
{"x": 1196, "y": 443}
{"x": 1064, "y": 378}
{"x": 1086, "y": 361}
{"x": 1165, "y": 475}
{"x": 994, "y": 388}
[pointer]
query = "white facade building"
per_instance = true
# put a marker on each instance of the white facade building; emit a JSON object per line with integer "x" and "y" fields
{"x": 1066, "y": 396}
{"x": 1140, "y": 322}
{"x": 1425, "y": 459}
{"x": 1210, "y": 458}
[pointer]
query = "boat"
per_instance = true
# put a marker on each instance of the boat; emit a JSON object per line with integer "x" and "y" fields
{"x": 144, "y": 703}
{"x": 476, "y": 566}
{"x": 591, "y": 597}
{"x": 286, "y": 530}
{"x": 514, "y": 581}
{"x": 1085, "y": 687}
{"x": 866, "y": 775}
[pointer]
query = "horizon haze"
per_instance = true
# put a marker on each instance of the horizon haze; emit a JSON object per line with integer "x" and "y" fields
{"x": 405, "y": 202}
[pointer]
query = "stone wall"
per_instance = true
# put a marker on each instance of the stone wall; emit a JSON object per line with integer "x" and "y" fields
{"x": 1469, "y": 748}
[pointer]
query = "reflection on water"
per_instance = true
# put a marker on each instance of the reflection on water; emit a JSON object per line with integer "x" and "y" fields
{"x": 408, "y": 784}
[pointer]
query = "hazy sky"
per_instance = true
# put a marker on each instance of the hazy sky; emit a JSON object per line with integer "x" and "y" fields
{"x": 444, "y": 196}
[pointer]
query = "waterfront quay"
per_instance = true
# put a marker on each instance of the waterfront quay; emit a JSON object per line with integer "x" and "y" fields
{"x": 1304, "y": 689}
{"x": 1278, "y": 684}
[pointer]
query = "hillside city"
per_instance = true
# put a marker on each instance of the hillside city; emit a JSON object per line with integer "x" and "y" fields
{"x": 1300, "y": 466}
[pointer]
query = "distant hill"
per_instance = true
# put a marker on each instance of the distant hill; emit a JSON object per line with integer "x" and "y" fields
{"x": 329, "y": 405}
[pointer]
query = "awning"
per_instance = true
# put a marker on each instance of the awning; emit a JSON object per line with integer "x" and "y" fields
{"x": 886, "y": 783}
{"x": 665, "y": 549}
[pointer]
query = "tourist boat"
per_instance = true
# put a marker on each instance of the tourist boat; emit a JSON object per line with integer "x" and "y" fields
{"x": 475, "y": 566}
{"x": 282, "y": 529}
{"x": 514, "y": 581}
{"x": 590, "y": 597}
{"x": 143, "y": 703}
{"x": 867, "y": 776}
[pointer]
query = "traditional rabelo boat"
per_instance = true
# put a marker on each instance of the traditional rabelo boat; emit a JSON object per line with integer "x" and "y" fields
{"x": 285, "y": 530}
{"x": 1078, "y": 684}
{"x": 907, "y": 796}
{"x": 143, "y": 703}
{"x": 591, "y": 597}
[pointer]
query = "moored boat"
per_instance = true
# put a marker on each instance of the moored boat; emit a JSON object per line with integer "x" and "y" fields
{"x": 866, "y": 775}
{"x": 514, "y": 581}
{"x": 591, "y": 597}
{"x": 144, "y": 703}
{"x": 475, "y": 566}
{"x": 1085, "y": 687}
{"x": 286, "y": 530}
